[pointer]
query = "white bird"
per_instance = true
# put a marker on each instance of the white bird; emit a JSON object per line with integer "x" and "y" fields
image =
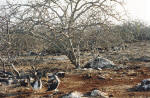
{"x": 37, "y": 83}
{"x": 53, "y": 82}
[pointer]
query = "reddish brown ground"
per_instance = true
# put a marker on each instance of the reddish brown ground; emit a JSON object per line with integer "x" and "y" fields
{"x": 116, "y": 83}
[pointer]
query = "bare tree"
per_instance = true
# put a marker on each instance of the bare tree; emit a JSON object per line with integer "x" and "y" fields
{"x": 6, "y": 52}
{"x": 63, "y": 23}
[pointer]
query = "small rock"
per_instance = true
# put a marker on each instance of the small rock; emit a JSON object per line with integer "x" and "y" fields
{"x": 143, "y": 59}
{"x": 95, "y": 93}
{"x": 143, "y": 86}
{"x": 132, "y": 74}
{"x": 101, "y": 77}
{"x": 99, "y": 69}
{"x": 73, "y": 95}
{"x": 87, "y": 76}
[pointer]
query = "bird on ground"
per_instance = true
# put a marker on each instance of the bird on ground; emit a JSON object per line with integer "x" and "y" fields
{"x": 53, "y": 82}
{"x": 36, "y": 84}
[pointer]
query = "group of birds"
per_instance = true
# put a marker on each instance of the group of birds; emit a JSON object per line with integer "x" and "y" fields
{"x": 33, "y": 80}
{"x": 52, "y": 83}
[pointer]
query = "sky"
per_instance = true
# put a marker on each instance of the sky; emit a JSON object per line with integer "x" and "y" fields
{"x": 136, "y": 9}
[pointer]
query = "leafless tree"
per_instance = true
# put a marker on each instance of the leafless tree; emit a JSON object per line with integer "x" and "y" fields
{"x": 64, "y": 23}
{"x": 6, "y": 53}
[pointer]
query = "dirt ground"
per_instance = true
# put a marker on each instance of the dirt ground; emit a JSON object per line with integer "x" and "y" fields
{"x": 115, "y": 82}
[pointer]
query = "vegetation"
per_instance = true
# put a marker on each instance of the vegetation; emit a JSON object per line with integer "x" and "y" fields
{"x": 61, "y": 23}
{"x": 131, "y": 31}
{"x": 69, "y": 29}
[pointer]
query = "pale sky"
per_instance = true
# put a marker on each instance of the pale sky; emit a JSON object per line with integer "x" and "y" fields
{"x": 139, "y": 9}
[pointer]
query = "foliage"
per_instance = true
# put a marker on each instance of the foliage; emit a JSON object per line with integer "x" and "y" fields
{"x": 133, "y": 31}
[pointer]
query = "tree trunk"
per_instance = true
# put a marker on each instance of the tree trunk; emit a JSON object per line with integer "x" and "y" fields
{"x": 4, "y": 68}
{"x": 73, "y": 55}
{"x": 74, "y": 60}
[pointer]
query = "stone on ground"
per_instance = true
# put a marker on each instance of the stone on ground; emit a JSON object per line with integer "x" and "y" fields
{"x": 73, "y": 95}
{"x": 100, "y": 62}
{"x": 143, "y": 86}
{"x": 98, "y": 93}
